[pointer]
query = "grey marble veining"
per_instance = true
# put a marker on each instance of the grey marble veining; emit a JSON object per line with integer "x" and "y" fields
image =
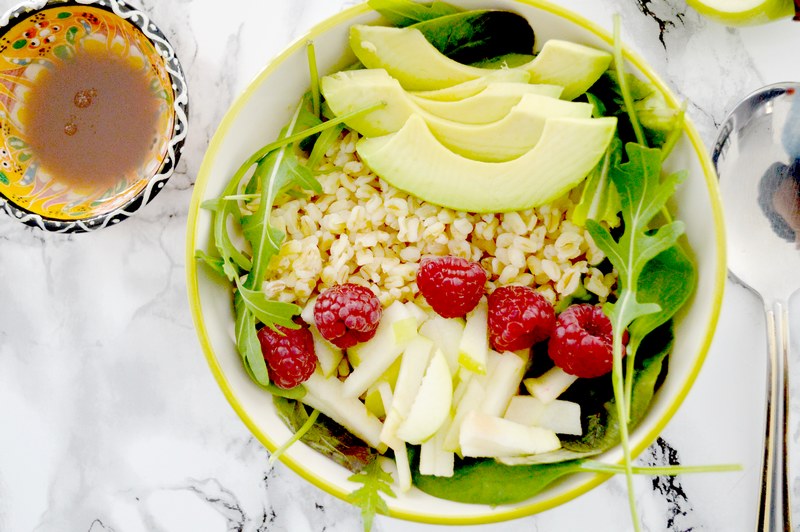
{"x": 111, "y": 420}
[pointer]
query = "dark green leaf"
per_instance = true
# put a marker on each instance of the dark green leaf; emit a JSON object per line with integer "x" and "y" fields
{"x": 402, "y": 13}
{"x": 275, "y": 172}
{"x": 327, "y": 437}
{"x": 668, "y": 280}
{"x": 488, "y": 482}
{"x": 270, "y": 312}
{"x": 247, "y": 342}
{"x": 600, "y": 200}
{"x": 474, "y": 36}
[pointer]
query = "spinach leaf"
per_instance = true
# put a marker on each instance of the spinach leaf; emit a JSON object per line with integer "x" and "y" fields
{"x": 486, "y": 481}
{"x": 656, "y": 117}
{"x": 474, "y": 36}
{"x": 326, "y": 436}
{"x": 402, "y": 13}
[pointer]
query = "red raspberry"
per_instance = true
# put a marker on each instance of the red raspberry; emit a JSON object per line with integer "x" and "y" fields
{"x": 518, "y": 318}
{"x": 452, "y": 286}
{"x": 289, "y": 354}
{"x": 347, "y": 314}
{"x": 581, "y": 343}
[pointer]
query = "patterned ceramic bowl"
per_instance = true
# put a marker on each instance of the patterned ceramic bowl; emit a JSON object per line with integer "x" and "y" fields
{"x": 36, "y": 40}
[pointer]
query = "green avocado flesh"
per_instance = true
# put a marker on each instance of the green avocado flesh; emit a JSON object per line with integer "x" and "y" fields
{"x": 518, "y": 127}
{"x": 418, "y": 65}
{"x": 414, "y": 161}
{"x": 474, "y": 86}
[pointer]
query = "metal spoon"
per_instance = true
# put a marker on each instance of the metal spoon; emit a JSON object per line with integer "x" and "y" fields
{"x": 757, "y": 157}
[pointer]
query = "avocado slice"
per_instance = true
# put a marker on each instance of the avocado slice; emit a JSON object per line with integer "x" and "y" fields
{"x": 415, "y": 162}
{"x": 489, "y": 105}
{"x": 474, "y": 86}
{"x": 501, "y": 140}
{"x": 351, "y": 90}
{"x": 418, "y": 65}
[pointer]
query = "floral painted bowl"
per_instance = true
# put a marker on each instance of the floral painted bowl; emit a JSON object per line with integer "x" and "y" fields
{"x": 257, "y": 117}
{"x": 36, "y": 39}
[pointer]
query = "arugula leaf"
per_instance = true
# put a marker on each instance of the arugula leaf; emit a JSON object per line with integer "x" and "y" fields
{"x": 368, "y": 497}
{"x": 271, "y": 313}
{"x": 474, "y": 36}
{"x": 215, "y": 264}
{"x": 232, "y": 258}
{"x": 277, "y": 171}
{"x": 327, "y": 436}
{"x": 643, "y": 194}
{"x": 668, "y": 280}
{"x": 247, "y": 342}
{"x": 325, "y": 140}
{"x": 402, "y": 13}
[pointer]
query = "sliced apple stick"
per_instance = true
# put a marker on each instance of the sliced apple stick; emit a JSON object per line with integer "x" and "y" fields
{"x": 446, "y": 334}
{"x": 328, "y": 355}
{"x": 474, "y": 346}
{"x": 432, "y": 404}
{"x": 548, "y": 386}
{"x": 433, "y": 459}
{"x": 375, "y": 356}
{"x": 562, "y": 417}
{"x": 504, "y": 382}
{"x": 483, "y": 435}
{"x": 415, "y": 360}
{"x": 397, "y": 445}
{"x": 327, "y": 396}
{"x": 471, "y": 400}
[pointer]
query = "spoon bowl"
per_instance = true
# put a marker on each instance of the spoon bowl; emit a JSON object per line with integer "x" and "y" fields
{"x": 757, "y": 157}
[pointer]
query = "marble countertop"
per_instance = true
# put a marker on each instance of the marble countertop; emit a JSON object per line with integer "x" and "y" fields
{"x": 111, "y": 420}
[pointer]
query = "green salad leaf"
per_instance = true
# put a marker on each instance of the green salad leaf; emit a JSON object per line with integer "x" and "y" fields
{"x": 368, "y": 497}
{"x": 402, "y": 13}
{"x": 278, "y": 171}
{"x": 599, "y": 197}
{"x": 668, "y": 280}
{"x": 479, "y": 35}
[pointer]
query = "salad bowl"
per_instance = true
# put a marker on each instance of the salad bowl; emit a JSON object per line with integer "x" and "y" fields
{"x": 256, "y": 118}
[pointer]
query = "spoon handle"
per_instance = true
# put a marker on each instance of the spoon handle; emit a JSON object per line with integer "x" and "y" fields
{"x": 775, "y": 510}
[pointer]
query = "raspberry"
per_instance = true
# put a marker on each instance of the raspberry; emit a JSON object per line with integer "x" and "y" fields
{"x": 289, "y": 354}
{"x": 581, "y": 343}
{"x": 452, "y": 286}
{"x": 518, "y": 318}
{"x": 347, "y": 314}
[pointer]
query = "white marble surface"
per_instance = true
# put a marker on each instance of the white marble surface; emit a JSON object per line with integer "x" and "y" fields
{"x": 109, "y": 416}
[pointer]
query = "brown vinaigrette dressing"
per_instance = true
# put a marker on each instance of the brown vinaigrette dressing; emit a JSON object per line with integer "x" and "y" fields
{"x": 91, "y": 119}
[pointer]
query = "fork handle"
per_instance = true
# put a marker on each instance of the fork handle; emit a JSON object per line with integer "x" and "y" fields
{"x": 775, "y": 511}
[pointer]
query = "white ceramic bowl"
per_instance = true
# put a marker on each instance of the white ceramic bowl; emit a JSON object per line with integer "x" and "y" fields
{"x": 255, "y": 120}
